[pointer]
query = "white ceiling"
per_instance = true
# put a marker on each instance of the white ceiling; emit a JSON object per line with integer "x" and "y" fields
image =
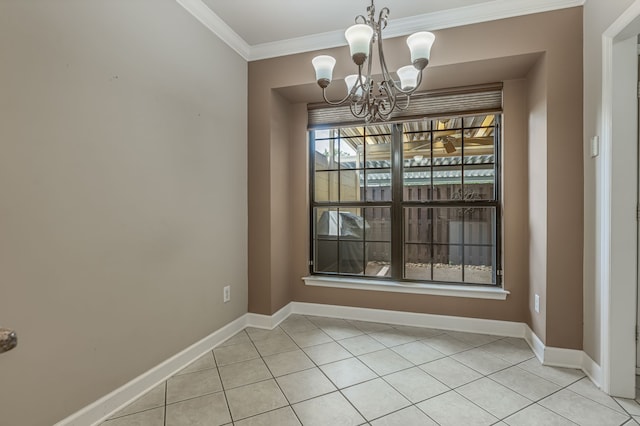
{"x": 262, "y": 21}
{"x": 260, "y": 29}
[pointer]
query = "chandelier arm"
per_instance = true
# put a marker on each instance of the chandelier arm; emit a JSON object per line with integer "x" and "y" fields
{"x": 386, "y": 75}
{"x": 406, "y": 106}
{"x": 335, "y": 103}
{"x": 372, "y": 12}
{"x": 392, "y": 100}
{"x": 383, "y": 18}
{"x": 358, "y": 114}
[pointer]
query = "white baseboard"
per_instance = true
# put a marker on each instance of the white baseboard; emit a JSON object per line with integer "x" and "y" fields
{"x": 567, "y": 358}
{"x": 471, "y": 325}
{"x": 550, "y": 356}
{"x": 268, "y": 321}
{"x": 592, "y": 370}
{"x": 535, "y": 343}
{"x": 109, "y": 404}
{"x": 104, "y": 407}
{"x": 560, "y": 357}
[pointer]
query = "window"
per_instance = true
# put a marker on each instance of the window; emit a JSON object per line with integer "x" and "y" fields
{"x": 412, "y": 201}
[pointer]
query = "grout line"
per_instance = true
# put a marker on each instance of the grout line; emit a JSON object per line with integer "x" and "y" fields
{"x": 318, "y": 367}
{"x": 280, "y": 387}
{"x": 166, "y": 390}
{"x": 369, "y": 334}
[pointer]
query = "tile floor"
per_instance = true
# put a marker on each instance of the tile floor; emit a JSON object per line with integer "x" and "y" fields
{"x": 327, "y": 371}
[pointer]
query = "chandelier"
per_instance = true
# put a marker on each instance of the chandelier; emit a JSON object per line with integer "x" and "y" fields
{"x": 370, "y": 100}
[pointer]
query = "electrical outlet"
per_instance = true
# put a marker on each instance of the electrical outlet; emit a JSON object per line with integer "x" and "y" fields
{"x": 536, "y": 303}
{"x": 226, "y": 294}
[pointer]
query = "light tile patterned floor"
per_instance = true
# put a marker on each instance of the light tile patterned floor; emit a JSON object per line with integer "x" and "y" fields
{"x": 327, "y": 371}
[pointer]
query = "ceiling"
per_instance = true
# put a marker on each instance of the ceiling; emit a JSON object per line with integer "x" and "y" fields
{"x": 260, "y": 29}
{"x": 260, "y": 21}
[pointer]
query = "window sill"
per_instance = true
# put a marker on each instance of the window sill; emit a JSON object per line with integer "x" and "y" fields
{"x": 468, "y": 291}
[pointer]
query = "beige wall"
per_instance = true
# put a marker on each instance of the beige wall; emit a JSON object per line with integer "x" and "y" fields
{"x": 516, "y": 279}
{"x": 280, "y": 212}
{"x": 122, "y": 195}
{"x": 537, "y": 167}
{"x": 455, "y": 51}
{"x": 598, "y": 16}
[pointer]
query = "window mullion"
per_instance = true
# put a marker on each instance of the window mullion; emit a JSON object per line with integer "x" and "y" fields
{"x": 397, "y": 220}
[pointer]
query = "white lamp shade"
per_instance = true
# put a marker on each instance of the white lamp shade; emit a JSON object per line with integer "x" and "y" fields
{"x": 323, "y": 65}
{"x": 359, "y": 38}
{"x": 351, "y": 81}
{"x": 420, "y": 45}
{"x": 408, "y": 77}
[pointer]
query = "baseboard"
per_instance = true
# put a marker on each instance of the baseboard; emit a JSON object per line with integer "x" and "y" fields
{"x": 560, "y": 357}
{"x": 471, "y": 325}
{"x": 535, "y": 343}
{"x": 269, "y": 321}
{"x": 592, "y": 370}
{"x": 549, "y": 356}
{"x": 104, "y": 407}
{"x": 566, "y": 358}
{"x": 109, "y": 404}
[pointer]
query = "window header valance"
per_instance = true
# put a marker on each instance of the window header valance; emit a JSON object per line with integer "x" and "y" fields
{"x": 469, "y": 100}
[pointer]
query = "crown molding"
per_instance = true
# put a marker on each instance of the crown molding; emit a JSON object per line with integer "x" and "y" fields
{"x": 217, "y": 26}
{"x": 490, "y": 11}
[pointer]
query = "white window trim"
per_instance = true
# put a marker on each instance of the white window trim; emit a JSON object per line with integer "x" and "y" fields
{"x": 468, "y": 291}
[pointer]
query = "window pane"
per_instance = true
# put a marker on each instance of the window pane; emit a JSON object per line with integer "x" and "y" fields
{"x": 417, "y": 149}
{"x": 417, "y": 166}
{"x": 326, "y": 156}
{"x": 378, "y": 221}
{"x": 351, "y": 224}
{"x": 378, "y": 259}
{"x": 448, "y": 225}
{"x": 326, "y": 186}
{"x": 447, "y": 263}
{"x": 479, "y": 265}
{"x": 378, "y": 185}
{"x": 447, "y": 123}
{"x": 479, "y": 225}
{"x": 417, "y": 261}
{"x": 447, "y": 159}
{"x": 480, "y": 121}
{"x": 478, "y": 142}
{"x": 417, "y": 192}
{"x": 350, "y": 153}
{"x": 378, "y": 151}
{"x": 479, "y": 182}
{"x": 350, "y": 185}
{"x": 479, "y": 161}
{"x": 416, "y": 126}
{"x": 326, "y": 220}
{"x": 417, "y": 224}
{"x": 326, "y": 256}
{"x": 351, "y": 257}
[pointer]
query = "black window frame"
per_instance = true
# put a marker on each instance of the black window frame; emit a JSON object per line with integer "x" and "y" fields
{"x": 398, "y": 203}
